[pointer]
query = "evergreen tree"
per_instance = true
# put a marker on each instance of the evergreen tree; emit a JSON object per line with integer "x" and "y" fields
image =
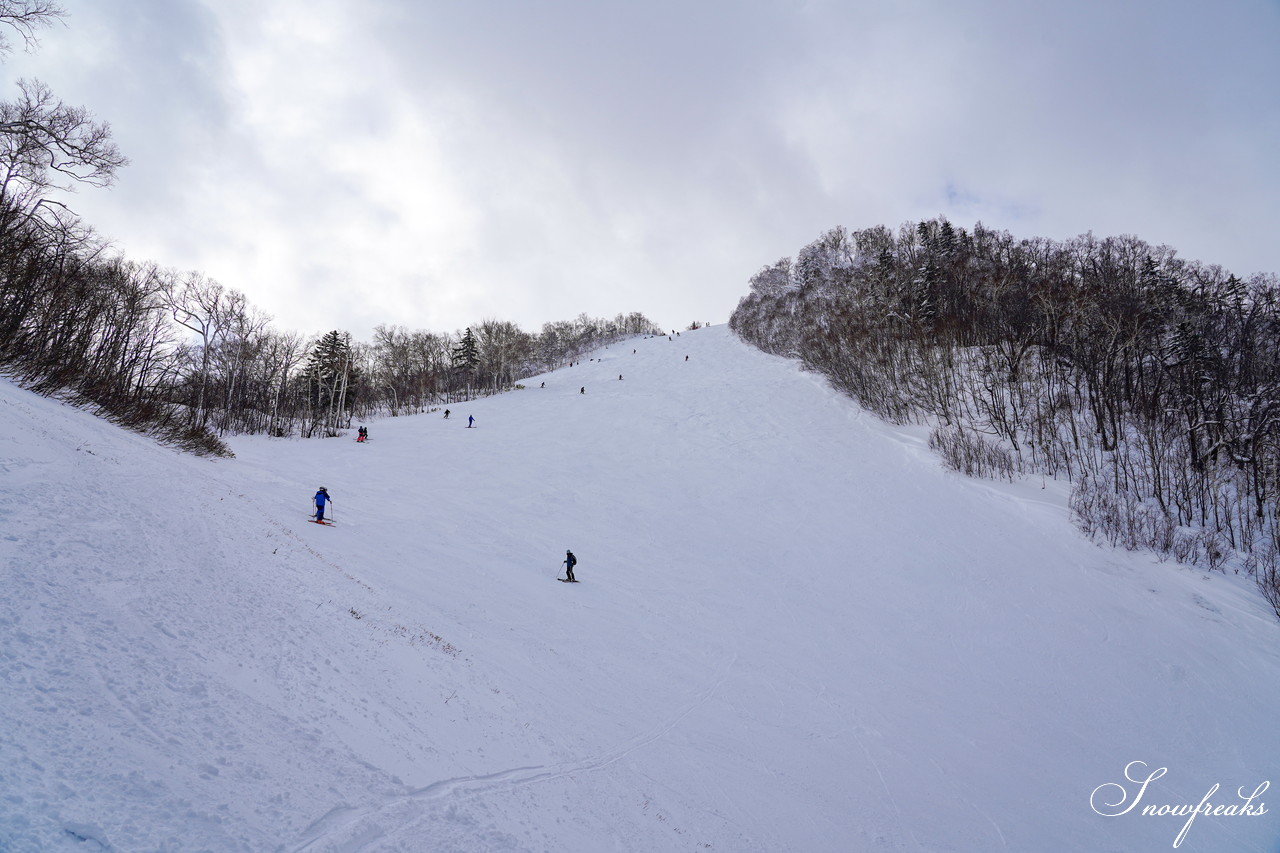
{"x": 328, "y": 374}
{"x": 947, "y": 238}
{"x": 466, "y": 355}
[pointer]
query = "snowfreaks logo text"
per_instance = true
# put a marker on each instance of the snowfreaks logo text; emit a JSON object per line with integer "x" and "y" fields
{"x": 1111, "y": 799}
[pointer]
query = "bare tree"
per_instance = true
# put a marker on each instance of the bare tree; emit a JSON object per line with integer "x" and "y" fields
{"x": 198, "y": 304}
{"x": 26, "y": 17}
{"x": 43, "y": 134}
{"x": 46, "y": 146}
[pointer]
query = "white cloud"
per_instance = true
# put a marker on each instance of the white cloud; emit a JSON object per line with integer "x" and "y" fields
{"x": 434, "y": 163}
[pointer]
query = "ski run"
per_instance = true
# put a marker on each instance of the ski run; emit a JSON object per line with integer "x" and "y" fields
{"x": 794, "y": 631}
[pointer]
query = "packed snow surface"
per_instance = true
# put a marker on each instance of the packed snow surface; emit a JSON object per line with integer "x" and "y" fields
{"x": 794, "y": 631}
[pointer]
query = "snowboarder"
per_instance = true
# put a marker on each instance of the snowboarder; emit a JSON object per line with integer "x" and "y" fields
{"x": 446, "y": 414}
{"x": 569, "y": 562}
{"x": 322, "y": 496}
{"x": 471, "y": 419}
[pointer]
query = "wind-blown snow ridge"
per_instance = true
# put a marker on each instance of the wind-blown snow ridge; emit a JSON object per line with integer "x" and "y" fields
{"x": 794, "y": 631}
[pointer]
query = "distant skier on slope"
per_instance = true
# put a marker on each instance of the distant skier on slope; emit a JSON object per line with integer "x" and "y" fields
{"x": 446, "y": 414}
{"x": 569, "y": 562}
{"x": 322, "y": 497}
{"x": 362, "y": 434}
{"x": 471, "y": 419}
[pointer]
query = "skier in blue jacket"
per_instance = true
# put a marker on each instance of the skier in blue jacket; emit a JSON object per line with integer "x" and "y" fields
{"x": 322, "y": 496}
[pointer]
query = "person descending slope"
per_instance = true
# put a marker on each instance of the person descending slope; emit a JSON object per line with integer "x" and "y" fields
{"x": 569, "y": 562}
{"x": 322, "y": 497}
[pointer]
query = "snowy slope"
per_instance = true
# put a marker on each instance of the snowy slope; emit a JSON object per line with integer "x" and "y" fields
{"x": 794, "y": 631}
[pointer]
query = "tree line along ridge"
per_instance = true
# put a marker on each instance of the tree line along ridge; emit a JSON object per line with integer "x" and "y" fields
{"x": 1150, "y": 382}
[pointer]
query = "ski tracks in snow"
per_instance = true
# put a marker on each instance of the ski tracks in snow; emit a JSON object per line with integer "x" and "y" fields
{"x": 348, "y": 829}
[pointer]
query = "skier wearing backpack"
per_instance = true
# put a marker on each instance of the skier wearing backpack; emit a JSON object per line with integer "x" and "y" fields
{"x": 569, "y": 562}
{"x": 322, "y": 497}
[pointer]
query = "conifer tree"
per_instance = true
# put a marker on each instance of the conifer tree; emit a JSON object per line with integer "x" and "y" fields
{"x": 466, "y": 355}
{"x": 328, "y": 374}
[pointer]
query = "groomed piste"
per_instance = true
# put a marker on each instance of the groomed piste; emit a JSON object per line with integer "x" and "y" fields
{"x": 794, "y": 631}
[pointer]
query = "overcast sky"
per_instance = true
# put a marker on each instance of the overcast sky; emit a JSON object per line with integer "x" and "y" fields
{"x": 435, "y": 163}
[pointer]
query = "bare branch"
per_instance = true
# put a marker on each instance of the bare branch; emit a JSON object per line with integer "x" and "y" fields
{"x": 25, "y": 17}
{"x": 41, "y": 132}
